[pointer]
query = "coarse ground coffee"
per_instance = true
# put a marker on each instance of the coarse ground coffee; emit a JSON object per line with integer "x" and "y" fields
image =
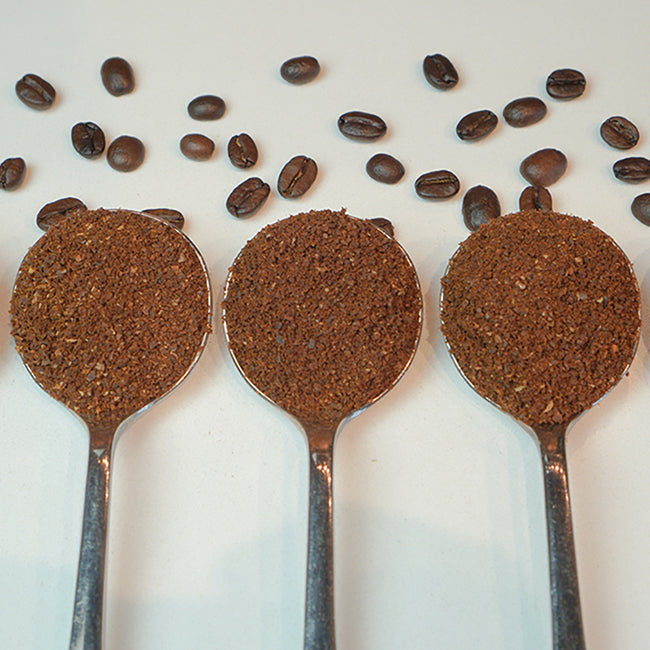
{"x": 541, "y": 312}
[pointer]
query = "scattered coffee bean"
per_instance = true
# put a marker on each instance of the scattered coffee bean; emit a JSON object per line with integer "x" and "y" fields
{"x": 535, "y": 197}
{"x": 480, "y": 204}
{"x": 170, "y": 215}
{"x": 242, "y": 151}
{"x": 384, "y": 224}
{"x": 35, "y": 92}
{"x": 52, "y": 212}
{"x": 300, "y": 70}
{"x": 632, "y": 170}
{"x": 476, "y": 125}
{"x": 544, "y": 167}
{"x": 361, "y": 126}
{"x": 206, "y": 107}
{"x": 88, "y": 139}
{"x": 12, "y": 173}
{"x": 125, "y": 153}
{"x": 297, "y": 176}
{"x": 641, "y": 208}
{"x": 384, "y": 168}
{"x": 619, "y": 132}
{"x": 117, "y": 76}
{"x": 248, "y": 197}
{"x": 524, "y": 111}
{"x": 439, "y": 71}
{"x": 441, "y": 184}
{"x": 197, "y": 146}
{"x": 565, "y": 84}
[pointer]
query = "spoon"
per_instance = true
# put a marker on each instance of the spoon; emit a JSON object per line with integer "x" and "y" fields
{"x": 104, "y": 423}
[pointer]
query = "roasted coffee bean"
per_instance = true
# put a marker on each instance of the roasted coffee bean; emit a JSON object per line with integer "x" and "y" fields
{"x": 619, "y": 132}
{"x": 543, "y": 167}
{"x": 632, "y": 170}
{"x": 476, "y": 125}
{"x": 12, "y": 173}
{"x": 480, "y": 204}
{"x": 535, "y": 197}
{"x": 248, "y": 197}
{"x": 88, "y": 139}
{"x": 441, "y": 184}
{"x": 50, "y": 213}
{"x": 206, "y": 107}
{"x": 242, "y": 151}
{"x": 524, "y": 111}
{"x": 117, "y": 76}
{"x": 174, "y": 217}
{"x": 300, "y": 70}
{"x": 361, "y": 126}
{"x": 566, "y": 84}
{"x": 384, "y": 168}
{"x": 125, "y": 153}
{"x": 197, "y": 146}
{"x": 439, "y": 71}
{"x": 641, "y": 208}
{"x": 35, "y": 92}
{"x": 297, "y": 176}
{"x": 384, "y": 224}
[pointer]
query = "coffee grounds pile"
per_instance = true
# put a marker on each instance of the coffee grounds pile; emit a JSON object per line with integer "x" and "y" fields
{"x": 109, "y": 310}
{"x": 541, "y": 312}
{"x": 322, "y": 313}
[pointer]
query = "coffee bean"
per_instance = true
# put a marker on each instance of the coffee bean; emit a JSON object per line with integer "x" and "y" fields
{"x": 248, "y": 197}
{"x": 384, "y": 168}
{"x": 439, "y": 71}
{"x": 125, "y": 153}
{"x": 197, "y": 146}
{"x": 632, "y": 170}
{"x": 619, "y": 132}
{"x": 535, "y": 197}
{"x": 441, "y": 184}
{"x": 117, "y": 76}
{"x": 361, "y": 126}
{"x": 12, "y": 173}
{"x": 476, "y": 125}
{"x": 383, "y": 224}
{"x": 300, "y": 70}
{"x": 242, "y": 151}
{"x": 174, "y": 217}
{"x": 641, "y": 208}
{"x": 566, "y": 84}
{"x": 524, "y": 111}
{"x": 35, "y": 92}
{"x": 88, "y": 139}
{"x": 52, "y": 212}
{"x": 544, "y": 167}
{"x": 296, "y": 177}
{"x": 206, "y": 107}
{"x": 480, "y": 204}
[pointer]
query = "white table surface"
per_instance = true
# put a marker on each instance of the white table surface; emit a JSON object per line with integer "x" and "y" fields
{"x": 440, "y": 538}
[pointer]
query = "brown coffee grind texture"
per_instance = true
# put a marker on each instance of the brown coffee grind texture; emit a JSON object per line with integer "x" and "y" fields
{"x": 322, "y": 313}
{"x": 541, "y": 312}
{"x": 109, "y": 310}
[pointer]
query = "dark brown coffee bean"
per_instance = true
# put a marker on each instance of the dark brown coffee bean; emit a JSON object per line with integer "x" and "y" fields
{"x": 441, "y": 184}
{"x": 300, "y": 70}
{"x": 206, "y": 107}
{"x": 197, "y": 146}
{"x": 242, "y": 151}
{"x": 480, "y": 204}
{"x": 50, "y": 213}
{"x": 524, "y": 111}
{"x": 297, "y": 176}
{"x": 384, "y": 168}
{"x": 619, "y": 132}
{"x": 566, "y": 84}
{"x": 439, "y": 71}
{"x": 125, "y": 153}
{"x": 641, "y": 208}
{"x": 361, "y": 126}
{"x": 12, "y": 173}
{"x": 536, "y": 198}
{"x": 117, "y": 76}
{"x": 88, "y": 139}
{"x": 35, "y": 92}
{"x": 383, "y": 224}
{"x": 544, "y": 167}
{"x": 174, "y": 217}
{"x": 248, "y": 197}
{"x": 476, "y": 125}
{"x": 632, "y": 170}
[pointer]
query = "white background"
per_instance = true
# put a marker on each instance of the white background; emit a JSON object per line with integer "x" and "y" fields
{"x": 439, "y": 519}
